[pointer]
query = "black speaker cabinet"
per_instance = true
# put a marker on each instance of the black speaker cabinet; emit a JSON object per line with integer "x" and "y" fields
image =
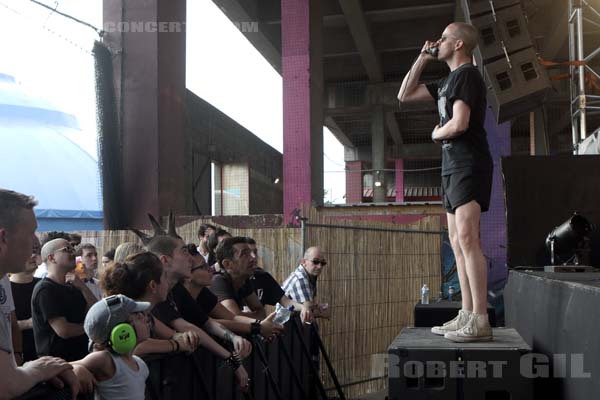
{"x": 508, "y": 28}
{"x": 519, "y": 87}
{"x": 472, "y": 8}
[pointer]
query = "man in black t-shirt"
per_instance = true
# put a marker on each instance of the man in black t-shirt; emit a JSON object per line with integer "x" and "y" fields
{"x": 59, "y": 304}
{"x": 232, "y": 284}
{"x": 177, "y": 262}
{"x": 466, "y": 167}
{"x": 269, "y": 291}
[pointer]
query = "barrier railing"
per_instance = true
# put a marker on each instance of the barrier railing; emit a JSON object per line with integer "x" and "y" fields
{"x": 279, "y": 370}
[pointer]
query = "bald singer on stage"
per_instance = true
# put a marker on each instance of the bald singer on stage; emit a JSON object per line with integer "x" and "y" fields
{"x": 466, "y": 167}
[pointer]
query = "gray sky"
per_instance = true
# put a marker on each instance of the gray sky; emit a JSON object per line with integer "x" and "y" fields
{"x": 49, "y": 56}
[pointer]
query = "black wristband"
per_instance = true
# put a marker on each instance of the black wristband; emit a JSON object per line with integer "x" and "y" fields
{"x": 255, "y": 327}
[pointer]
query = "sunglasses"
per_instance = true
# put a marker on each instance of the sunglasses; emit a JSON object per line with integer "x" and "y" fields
{"x": 316, "y": 261}
{"x": 66, "y": 249}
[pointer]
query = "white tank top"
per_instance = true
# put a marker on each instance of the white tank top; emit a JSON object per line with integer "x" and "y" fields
{"x": 126, "y": 384}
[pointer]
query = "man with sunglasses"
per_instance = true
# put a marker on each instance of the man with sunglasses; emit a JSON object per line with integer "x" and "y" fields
{"x": 59, "y": 304}
{"x": 466, "y": 167}
{"x": 301, "y": 285}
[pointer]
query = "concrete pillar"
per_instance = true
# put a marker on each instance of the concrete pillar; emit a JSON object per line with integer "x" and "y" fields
{"x": 399, "y": 181}
{"x": 354, "y": 182}
{"x": 149, "y": 70}
{"x": 493, "y": 222}
{"x": 301, "y": 42}
{"x": 378, "y": 154}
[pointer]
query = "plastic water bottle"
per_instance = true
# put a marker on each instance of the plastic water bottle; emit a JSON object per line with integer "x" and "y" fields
{"x": 283, "y": 315}
{"x": 450, "y": 292}
{"x": 425, "y": 294}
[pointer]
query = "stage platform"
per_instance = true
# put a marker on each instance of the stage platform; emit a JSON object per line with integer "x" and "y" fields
{"x": 422, "y": 365}
{"x": 558, "y": 315}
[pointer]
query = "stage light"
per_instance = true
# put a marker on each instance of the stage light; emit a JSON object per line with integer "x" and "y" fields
{"x": 567, "y": 238}
{"x": 378, "y": 183}
{"x": 276, "y": 181}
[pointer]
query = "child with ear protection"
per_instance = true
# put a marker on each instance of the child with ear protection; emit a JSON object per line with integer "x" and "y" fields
{"x": 115, "y": 325}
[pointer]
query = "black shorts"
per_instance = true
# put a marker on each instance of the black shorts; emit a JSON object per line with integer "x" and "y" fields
{"x": 465, "y": 185}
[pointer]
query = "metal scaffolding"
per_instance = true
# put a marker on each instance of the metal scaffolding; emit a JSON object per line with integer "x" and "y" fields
{"x": 581, "y": 104}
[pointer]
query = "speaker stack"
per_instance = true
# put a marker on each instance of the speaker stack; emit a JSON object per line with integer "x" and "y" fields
{"x": 515, "y": 80}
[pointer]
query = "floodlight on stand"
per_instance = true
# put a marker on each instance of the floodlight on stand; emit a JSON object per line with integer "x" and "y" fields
{"x": 566, "y": 239}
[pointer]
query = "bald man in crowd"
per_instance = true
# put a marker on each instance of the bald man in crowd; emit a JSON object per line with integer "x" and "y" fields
{"x": 466, "y": 167}
{"x": 59, "y": 304}
{"x": 301, "y": 285}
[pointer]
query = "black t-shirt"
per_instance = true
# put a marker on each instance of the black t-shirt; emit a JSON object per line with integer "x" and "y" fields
{"x": 51, "y": 300}
{"x": 167, "y": 311}
{"x": 207, "y": 300}
{"x": 22, "y": 297}
{"x": 267, "y": 288}
{"x": 222, "y": 287}
{"x": 190, "y": 310}
{"x": 470, "y": 149}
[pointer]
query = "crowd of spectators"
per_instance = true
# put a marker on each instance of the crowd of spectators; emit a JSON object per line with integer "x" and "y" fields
{"x": 76, "y": 320}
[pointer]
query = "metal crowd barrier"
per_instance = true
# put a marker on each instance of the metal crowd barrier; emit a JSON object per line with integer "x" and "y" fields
{"x": 280, "y": 370}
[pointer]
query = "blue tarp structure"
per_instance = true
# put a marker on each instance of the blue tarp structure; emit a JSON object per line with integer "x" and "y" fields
{"x": 39, "y": 158}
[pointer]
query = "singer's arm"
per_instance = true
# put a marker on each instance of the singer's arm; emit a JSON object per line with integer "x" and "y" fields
{"x": 411, "y": 90}
{"x": 457, "y": 125}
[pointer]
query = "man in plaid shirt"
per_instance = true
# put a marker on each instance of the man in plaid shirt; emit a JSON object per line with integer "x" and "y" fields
{"x": 301, "y": 285}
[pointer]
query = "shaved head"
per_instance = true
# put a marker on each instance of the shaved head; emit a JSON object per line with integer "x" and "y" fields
{"x": 311, "y": 252}
{"x": 466, "y": 33}
{"x": 52, "y": 246}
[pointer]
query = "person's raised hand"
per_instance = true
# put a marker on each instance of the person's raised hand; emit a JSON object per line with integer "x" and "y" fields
{"x": 424, "y": 54}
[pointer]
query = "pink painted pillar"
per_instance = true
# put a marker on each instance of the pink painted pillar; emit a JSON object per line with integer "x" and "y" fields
{"x": 354, "y": 182}
{"x": 301, "y": 42}
{"x": 400, "y": 181}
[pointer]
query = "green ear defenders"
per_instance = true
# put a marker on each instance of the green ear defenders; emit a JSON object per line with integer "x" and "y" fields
{"x": 122, "y": 338}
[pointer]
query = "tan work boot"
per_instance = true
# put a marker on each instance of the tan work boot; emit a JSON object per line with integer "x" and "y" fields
{"x": 461, "y": 319}
{"x": 477, "y": 329}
